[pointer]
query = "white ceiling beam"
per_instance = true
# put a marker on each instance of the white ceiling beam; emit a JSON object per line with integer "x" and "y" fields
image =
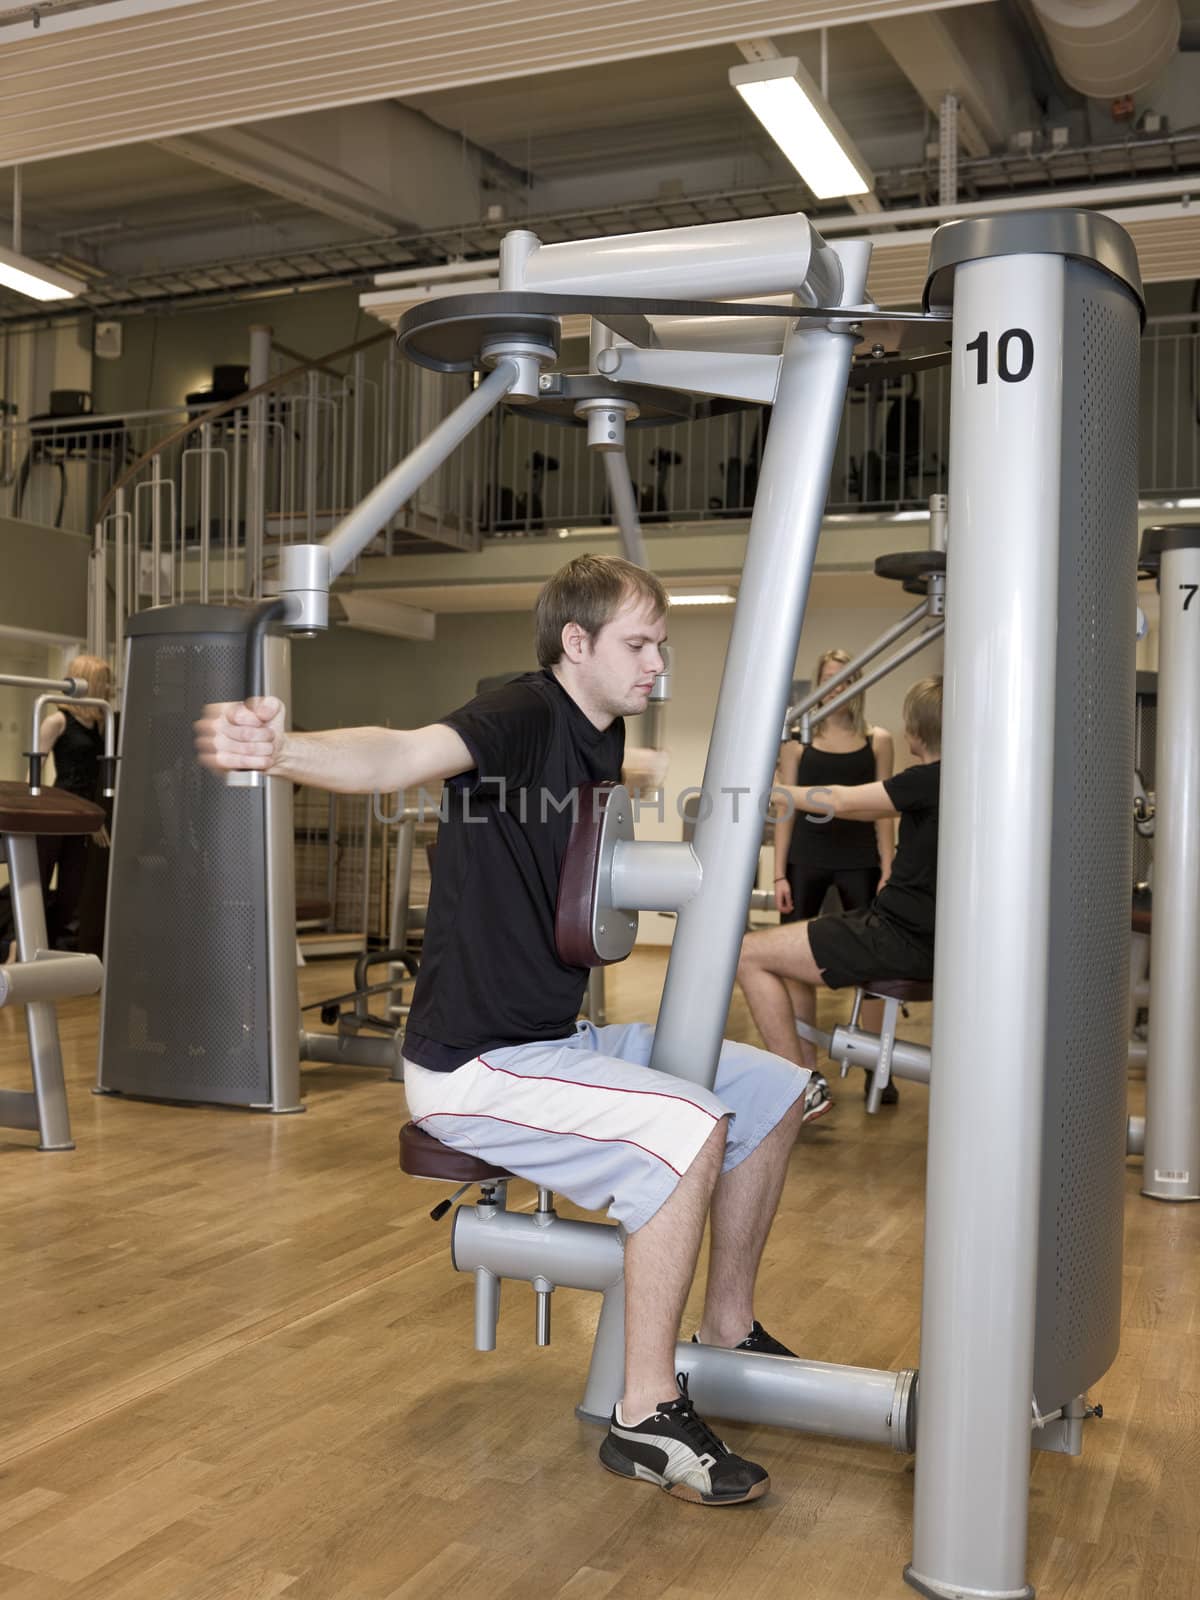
{"x": 925, "y": 51}
{"x": 378, "y": 168}
{"x": 252, "y": 158}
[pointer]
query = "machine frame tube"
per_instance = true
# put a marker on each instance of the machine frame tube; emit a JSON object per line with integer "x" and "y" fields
{"x": 982, "y": 1196}
{"x": 780, "y": 552}
{"x": 1172, "y": 1128}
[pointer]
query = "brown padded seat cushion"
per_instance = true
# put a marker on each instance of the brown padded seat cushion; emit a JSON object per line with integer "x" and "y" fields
{"x": 52, "y": 811}
{"x": 908, "y": 990}
{"x": 577, "y": 879}
{"x": 423, "y": 1156}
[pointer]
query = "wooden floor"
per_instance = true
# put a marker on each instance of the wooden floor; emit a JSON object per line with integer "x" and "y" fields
{"x": 235, "y": 1363}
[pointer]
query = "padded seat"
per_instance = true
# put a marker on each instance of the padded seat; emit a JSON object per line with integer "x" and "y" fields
{"x": 53, "y": 811}
{"x": 909, "y": 991}
{"x": 423, "y": 1156}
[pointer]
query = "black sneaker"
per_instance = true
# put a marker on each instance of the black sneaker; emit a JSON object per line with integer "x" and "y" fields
{"x": 890, "y": 1095}
{"x": 760, "y": 1342}
{"x": 679, "y": 1452}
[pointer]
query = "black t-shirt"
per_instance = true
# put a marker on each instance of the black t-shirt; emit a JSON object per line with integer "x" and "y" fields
{"x": 908, "y": 897}
{"x": 490, "y": 974}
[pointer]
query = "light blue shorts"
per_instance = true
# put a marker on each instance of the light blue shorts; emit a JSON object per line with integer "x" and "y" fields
{"x": 588, "y": 1118}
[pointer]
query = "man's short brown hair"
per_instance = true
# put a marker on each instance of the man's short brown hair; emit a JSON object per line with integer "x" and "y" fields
{"x": 923, "y": 714}
{"x": 589, "y": 591}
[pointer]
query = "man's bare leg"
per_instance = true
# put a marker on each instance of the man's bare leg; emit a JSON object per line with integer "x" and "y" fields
{"x": 660, "y": 1262}
{"x": 742, "y": 1211}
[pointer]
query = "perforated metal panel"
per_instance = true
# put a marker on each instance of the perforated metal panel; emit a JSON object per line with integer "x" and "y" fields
{"x": 1079, "y": 1270}
{"x": 185, "y": 998}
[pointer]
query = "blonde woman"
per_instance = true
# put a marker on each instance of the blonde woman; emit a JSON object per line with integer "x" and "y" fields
{"x": 816, "y": 853}
{"x": 74, "y": 735}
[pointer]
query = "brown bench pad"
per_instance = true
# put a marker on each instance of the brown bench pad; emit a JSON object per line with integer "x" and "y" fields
{"x": 52, "y": 811}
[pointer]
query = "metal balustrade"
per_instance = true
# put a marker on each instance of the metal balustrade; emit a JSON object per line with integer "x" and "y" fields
{"x": 191, "y": 504}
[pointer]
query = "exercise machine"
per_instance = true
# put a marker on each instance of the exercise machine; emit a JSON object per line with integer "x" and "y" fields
{"x": 1046, "y": 311}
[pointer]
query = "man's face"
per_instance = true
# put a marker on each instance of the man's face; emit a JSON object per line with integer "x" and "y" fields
{"x": 620, "y": 664}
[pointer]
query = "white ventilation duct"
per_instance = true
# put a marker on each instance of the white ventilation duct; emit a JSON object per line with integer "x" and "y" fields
{"x": 1108, "y": 48}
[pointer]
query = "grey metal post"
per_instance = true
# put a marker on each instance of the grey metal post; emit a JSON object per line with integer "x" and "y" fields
{"x": 97, "y": 640}
{"x": 156, "y": 483}
{"x": 256, "y": 461}
{"x": 1010, "y": 428}
{"x": 981, "y": 1212}
{"x": 1172, "y": 1138}
{"x": 780, "y": 552}
{"x": 205, "y": 507}
{"x": 939, "y": 517}
{"x": 597, "y": 1003}
{"x": 120, "y": 524}
{"x": 283, "y": 991}
{"x": 355, "y": 531}
{"x": 311, "y": 434}
{"x": 41, "y": 1018}
{"x": 625, "y": 507}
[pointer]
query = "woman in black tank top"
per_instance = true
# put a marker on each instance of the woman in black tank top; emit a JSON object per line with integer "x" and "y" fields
{"x": 74, "y": 735}
{"x": 813, "y": 854}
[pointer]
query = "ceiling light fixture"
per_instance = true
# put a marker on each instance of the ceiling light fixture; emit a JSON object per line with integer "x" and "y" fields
{"x": 27, "y": 276}
{"x": 703, "y": 597}
{"x": 792, "y": 109}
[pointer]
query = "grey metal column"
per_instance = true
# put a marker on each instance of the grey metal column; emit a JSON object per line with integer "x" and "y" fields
{"x": 1010, "y": 281}
{"x": 1172, "y": 1138}
{"x": 283, "y": 991}
{"x": 256, "y": 461}
{"x": 625, "y": 506}
{"x": 41, "y": 1017}
{"x": 780, "y": 552}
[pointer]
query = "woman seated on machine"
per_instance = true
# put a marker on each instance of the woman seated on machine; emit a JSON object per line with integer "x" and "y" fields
{"x": 890, "y": 938}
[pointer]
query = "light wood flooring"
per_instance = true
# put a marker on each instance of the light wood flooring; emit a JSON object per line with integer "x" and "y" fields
{"x": 235, "y": 1363}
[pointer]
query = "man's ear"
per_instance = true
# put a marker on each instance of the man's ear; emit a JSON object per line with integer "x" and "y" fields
{"x": 574, "y": 641}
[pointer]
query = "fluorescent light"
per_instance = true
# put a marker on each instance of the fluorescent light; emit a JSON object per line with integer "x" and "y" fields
{"x": 38, "y": 282}
{"x": 702, "y": 597}
{"x": 802, "y": 123}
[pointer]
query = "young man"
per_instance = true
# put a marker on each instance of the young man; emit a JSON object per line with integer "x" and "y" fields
{"x": 893, "y": 937}
{"x": 495, "y": 1060}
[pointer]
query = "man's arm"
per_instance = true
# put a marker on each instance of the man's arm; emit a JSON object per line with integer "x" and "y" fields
{"x": 237, "y": 735}
{"x": 866, "y": 801}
